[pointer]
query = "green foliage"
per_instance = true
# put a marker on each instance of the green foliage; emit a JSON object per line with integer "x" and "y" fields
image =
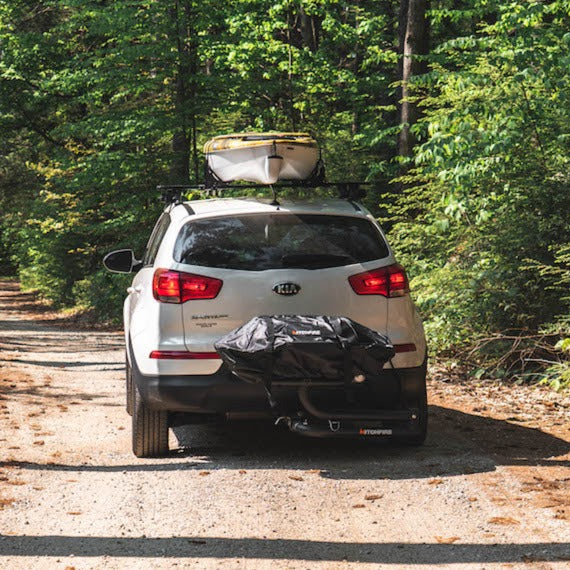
{"x": 92, "y": 95}
{"x": 103, "y": 294}
{"x": 483, "y": 225}
{"x": 102, "y": 101}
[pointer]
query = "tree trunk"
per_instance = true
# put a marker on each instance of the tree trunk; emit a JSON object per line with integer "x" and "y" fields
{"x": 186, "y": 69}
{"x": 415, "y": 42}
{"x": 179, "y": 168}
{"x": 310, "y": 30}
{"x": 402, "y": 26}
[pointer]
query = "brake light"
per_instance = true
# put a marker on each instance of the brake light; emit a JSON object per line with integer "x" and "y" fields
{"x": 390, "y": 281}
{"x": 178, "y": 287}
{"x": 183, "y": 355}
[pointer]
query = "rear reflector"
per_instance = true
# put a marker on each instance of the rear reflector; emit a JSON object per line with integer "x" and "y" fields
{"x": 183, "y": 355}
{"x": 178, "y": 287}
{"x": 404, "y": 348}
{"x": 390, "y": 281}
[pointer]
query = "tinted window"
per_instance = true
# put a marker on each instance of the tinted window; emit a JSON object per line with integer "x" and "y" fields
{"x": 156, "y": 239}
{"x": 277, "y": 241}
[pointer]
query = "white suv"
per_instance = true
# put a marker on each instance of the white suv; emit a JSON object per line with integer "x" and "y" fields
{"x": 212, "y": 265}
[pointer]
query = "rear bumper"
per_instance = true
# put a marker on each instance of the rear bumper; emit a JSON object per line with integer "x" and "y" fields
{"x": 223, "y": 393}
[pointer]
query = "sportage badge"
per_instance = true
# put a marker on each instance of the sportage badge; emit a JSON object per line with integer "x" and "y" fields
{"x": 286, "y": 288}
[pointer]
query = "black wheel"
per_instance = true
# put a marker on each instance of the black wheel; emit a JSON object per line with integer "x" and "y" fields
{"x": 150, "y": 428}
{"x": 129, "y": 386}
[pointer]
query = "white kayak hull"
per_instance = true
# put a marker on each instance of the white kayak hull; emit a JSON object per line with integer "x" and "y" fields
{"x": 262, "y": 161}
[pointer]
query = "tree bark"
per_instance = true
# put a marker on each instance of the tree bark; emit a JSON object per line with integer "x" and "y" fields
{"x": 414, "y": 42}
{"x": 310, "y": 30}
{"x": 184, "y": 101}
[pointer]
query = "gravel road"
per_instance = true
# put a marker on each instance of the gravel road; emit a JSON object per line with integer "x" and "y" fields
{"x": 490, "y": 488}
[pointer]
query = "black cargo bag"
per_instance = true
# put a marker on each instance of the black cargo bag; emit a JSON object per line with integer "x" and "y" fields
{"x": 290, "y": 349}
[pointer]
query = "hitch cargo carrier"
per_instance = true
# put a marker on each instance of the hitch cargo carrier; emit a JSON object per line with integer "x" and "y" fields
{"x": 336, "y": 367}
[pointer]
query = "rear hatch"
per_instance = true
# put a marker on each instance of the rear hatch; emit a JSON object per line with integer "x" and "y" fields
{"x": 278, "y": 263}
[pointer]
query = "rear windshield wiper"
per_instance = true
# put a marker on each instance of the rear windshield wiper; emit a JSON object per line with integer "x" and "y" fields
{"x": 317, "y": 260}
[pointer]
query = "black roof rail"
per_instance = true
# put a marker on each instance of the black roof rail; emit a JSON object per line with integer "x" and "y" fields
{"x": 172, "y": 193}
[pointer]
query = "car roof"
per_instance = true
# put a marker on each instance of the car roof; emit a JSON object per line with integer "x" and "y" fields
{"x": 228, "y": 206}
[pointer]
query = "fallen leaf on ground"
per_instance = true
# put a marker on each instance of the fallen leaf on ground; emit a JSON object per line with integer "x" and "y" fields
{"x": 358, "y": 506}
{"x": 435, "y": 482}
{"x": 527, "y": 558}
{"x": 372, "y": 497}
{"x": 202, "y": 473}
{"x": 296, "y": 477}
{"x": 447, "y": 540}
{"x": 74, "y": 512}
{"x": 503, "y": 520}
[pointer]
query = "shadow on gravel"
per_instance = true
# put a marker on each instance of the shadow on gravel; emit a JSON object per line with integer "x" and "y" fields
{"x": 34, "y": 338}
{"x": 458, "y": 444}
{"x": 39, "y": 394}
{"x": 54, "y": 344}
{"x": 67, "y": 364}
{"x": 281, "y": 549}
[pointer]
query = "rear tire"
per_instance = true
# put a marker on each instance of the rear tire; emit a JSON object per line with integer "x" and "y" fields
{"x": 150, "y": 428}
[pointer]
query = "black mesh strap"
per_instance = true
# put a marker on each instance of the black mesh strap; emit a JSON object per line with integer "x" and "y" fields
{"x": 269, "y": 363}
{"x": 344, "y": 343}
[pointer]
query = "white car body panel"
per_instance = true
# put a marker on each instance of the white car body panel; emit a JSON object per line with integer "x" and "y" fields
{"x": 197, "y": 324}
{"x": 246, "y": 294}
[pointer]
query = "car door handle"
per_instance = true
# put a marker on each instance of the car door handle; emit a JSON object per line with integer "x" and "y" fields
{"x": 136, "y": 289}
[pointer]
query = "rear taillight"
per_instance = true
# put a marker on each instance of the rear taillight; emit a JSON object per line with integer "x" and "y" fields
{"x": 183, "y": 355}
{"x": 178, "y": 287}
{"x": 390, "y": 281}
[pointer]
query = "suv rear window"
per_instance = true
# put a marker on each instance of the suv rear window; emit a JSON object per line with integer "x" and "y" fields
{"x": 256, "y": 242}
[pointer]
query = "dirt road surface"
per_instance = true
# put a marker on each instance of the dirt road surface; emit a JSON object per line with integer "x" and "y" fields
{"x": 490, "y": 488}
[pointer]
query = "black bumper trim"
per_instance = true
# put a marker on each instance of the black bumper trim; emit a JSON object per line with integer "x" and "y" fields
{"x": 223, "y": 393}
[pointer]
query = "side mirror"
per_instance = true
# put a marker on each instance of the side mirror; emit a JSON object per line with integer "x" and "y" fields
{"x": 121, "y": 261}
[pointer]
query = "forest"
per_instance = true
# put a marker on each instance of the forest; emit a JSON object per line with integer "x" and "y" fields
{"x": 457, "y": 112}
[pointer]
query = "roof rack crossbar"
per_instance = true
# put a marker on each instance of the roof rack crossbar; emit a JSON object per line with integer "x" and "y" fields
{"x": 172, "y": 193}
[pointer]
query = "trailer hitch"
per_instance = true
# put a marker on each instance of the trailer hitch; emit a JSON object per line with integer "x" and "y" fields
{"x": 359, "y": 416}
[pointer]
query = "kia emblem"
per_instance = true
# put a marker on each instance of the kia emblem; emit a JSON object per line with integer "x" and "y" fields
{"x": 286, "y": 288}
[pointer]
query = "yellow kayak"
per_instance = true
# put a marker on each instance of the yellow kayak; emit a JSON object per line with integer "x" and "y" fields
{"x": 262, "y": 158}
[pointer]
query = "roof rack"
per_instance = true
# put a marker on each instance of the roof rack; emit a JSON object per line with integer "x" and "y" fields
{"x": 172, "y": 193}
